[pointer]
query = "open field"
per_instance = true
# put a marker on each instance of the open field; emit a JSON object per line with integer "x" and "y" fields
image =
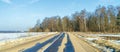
{"x": 61, "y": 42}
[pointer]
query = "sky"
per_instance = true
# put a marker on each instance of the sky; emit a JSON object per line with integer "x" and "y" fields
{"x": 20, "y": 15}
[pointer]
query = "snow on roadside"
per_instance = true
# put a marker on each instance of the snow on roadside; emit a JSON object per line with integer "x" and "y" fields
{"x": 92, "y": 39}
{"x": 8, "y": 36}
{"x": 13, "y": 37}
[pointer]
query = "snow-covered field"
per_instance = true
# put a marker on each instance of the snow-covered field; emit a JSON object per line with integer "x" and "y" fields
{"x": 108, "y": 45}
{"x": 111, "y": 42}
{"x": 8, "y": 40}
{"x": 9, "y": 36}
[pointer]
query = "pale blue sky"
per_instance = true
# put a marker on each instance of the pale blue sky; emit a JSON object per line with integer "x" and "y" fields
{"x": 22, "y": 14}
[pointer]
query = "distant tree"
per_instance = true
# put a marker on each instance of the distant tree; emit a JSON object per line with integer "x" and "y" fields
{"x": 65, "y": 23}
{"x": 80, "y": 21}
{"x": 92, "y": 23}
{"x": 118, "y": 19}
{"x": 44, "y": 24}
{"x": 112, "y": 18}
{"x": 103, "y": 19}
{"x": 59, "y": 24}
{"x": 118, "y": 22}
{"x": 31, "y": 30}
{"x": 83, "y": 20}
{"x": 71, "y": 25}
{"x": 75, "y": 20}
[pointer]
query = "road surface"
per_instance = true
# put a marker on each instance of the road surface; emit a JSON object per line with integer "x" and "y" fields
{"x": 62, "y": 42}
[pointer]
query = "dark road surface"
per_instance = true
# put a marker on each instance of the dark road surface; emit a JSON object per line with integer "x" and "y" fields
{"x": 56, "y": 44}
{"x": 54, "y": 47}
{"x": 62, "y": 42}
{"x": 72, "y": 44}
{"x": 69, "y": 47}
{"x": 40, "y": 45}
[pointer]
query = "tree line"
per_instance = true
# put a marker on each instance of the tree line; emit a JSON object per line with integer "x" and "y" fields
{"x": 103, "y": 19}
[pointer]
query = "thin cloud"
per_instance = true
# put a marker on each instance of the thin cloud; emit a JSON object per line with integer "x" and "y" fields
{"x": 33, "y": 1}
{"x": 106, "y": 1}
{"x": 7, "y": 1}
